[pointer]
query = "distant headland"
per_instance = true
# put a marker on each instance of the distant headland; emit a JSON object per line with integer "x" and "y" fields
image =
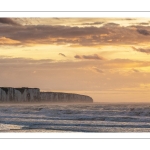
{"x": 25, "y": 94}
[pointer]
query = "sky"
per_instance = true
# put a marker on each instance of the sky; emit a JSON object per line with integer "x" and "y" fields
{"x": 105, "y": 58}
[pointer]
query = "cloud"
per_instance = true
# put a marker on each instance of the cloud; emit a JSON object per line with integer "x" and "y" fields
{"x": 143, "y": 32}
{"x": 147, "y": 51}
{"x": 144, "y": 23}
{"x": 93, "y": 23}
{"x": 97, "y": 70}
{"x": 44, "y": 34}
{"x": 49, "y": 64}
{"x": 135, "y": 70}
{"x": 112, "y": 24}
{"x": 129, "y": 19}
{"x": 95, "y": 57}
{"x": 8, "y": 21}
{"x": 8, "y": 41}
{"x": 8, "y": 60}
{"x": 30, "y": 35}
{"x": 78, "y": 56}
{"x": 62, "y": 54}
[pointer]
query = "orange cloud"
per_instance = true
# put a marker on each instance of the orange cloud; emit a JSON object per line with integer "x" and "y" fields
{"x": 143, "y": 50}
{"x": 8, "y": 41}
{"x": 95, "y": 56}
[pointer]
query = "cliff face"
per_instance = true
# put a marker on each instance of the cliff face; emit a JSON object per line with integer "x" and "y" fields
{"x": 64, "y": 97}
{"x": 19, "y": 94}
{"x": 8, "y": 94}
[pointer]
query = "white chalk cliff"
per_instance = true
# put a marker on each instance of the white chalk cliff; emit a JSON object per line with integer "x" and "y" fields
{"x": 24, "y": 94}
{"x": 64, "y": 97}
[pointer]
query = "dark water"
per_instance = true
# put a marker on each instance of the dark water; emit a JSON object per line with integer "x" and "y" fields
{"x": 94, "y": 117}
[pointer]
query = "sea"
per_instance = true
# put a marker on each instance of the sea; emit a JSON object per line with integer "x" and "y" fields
{"x": 90, "y": 117}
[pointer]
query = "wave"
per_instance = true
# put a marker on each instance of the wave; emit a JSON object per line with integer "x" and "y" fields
{"x": 77, "y": 118}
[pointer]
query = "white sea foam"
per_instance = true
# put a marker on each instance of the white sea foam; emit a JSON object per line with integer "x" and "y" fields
{"x": 6, "y": 127}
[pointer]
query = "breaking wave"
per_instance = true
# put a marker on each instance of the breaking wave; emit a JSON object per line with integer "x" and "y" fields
{"x": 94, "y": 117}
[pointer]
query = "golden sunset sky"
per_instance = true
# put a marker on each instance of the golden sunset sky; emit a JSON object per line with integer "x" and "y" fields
{"x": 105, "y": 58}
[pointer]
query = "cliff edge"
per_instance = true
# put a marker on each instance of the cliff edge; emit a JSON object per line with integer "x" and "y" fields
{"x": 64, "y": 97}
{"x": 25, "y": 94}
